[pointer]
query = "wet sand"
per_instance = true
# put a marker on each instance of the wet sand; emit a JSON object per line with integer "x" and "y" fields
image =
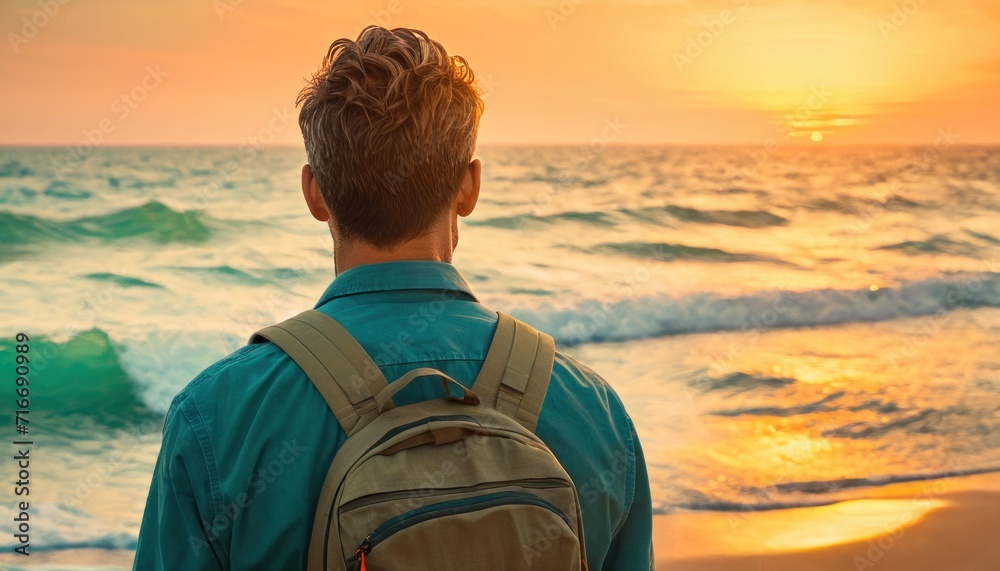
{"x": 951, "y": 524}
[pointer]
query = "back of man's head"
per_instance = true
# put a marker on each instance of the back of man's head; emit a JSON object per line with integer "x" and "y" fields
{"x": 389, "y": 123}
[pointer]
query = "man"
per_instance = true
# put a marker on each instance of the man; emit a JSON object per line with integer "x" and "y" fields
{"x": 390, "y": 126}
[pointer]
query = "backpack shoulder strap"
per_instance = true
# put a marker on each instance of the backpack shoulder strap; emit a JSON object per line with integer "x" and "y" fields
{"x": 515, "y": 374}
{"x": 333, "y": 360}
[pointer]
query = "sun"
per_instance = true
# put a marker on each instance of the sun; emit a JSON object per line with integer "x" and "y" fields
{"x": 816, "y": 137}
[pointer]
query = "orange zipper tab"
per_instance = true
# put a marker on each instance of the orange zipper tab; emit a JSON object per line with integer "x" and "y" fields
{"x": 362, "y": 551}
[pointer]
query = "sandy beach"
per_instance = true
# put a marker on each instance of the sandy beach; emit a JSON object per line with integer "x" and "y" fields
{"x": 932, "y": 525}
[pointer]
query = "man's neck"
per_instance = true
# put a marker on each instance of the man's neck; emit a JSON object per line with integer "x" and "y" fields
{"x": 435, "y": 245}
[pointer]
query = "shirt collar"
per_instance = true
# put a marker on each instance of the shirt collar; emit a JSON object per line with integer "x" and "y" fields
{"x": 397, "y": 276}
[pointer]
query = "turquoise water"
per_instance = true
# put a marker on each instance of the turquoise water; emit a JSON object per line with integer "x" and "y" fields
{"x": 785, "y": 331}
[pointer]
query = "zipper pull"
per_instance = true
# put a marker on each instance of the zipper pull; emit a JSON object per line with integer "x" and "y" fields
{"x": 362, "y": 551}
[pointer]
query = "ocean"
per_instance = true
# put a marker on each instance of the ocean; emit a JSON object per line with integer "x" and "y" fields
{"x": 787, "y": 327}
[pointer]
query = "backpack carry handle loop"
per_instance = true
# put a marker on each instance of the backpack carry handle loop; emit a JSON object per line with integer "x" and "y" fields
{"x": 383, "y": 399}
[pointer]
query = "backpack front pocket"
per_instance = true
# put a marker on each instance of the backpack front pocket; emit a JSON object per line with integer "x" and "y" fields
{"x": 472, "y": 533}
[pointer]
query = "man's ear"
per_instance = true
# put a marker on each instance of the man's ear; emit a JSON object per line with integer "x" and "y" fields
{"x": 314, "y": 199}
{"x": 468, "y": 193}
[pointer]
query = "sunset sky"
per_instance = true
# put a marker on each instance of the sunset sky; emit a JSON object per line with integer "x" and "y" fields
{"x": 219, "y": 72}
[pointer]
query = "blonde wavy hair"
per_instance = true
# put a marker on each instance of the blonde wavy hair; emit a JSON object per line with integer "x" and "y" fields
{"x": 389, "y": 123}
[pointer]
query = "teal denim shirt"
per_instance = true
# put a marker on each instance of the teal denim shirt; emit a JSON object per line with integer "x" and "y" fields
{"x": 247, "y": 444}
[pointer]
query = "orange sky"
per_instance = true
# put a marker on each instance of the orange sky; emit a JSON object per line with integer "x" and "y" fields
{"x": 218, "y": 72}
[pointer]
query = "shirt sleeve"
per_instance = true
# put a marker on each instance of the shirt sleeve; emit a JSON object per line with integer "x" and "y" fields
{"x": 632, "y": 544}
{"x": 179, "y": 507}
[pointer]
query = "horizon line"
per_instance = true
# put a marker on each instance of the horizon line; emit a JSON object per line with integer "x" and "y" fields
{"x": 575, "y": 144}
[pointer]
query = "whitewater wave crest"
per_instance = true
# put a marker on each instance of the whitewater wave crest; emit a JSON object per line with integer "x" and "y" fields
{"x": 595, "y": 321}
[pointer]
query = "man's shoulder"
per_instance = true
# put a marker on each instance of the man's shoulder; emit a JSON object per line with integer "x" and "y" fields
{"x": 242, "y": 372}
{"x": 244, "y": 358}
{"x": 583, "y": 408}
{"x": 577, "y": 378}
{"x": 577, "y": 370}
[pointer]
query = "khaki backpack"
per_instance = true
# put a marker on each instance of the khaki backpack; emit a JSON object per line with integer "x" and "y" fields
{"x": 459, "y": 482}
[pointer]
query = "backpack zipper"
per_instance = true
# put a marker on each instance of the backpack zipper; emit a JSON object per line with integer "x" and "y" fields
{"x": 534, "y": 483}
{"x": 362, "y": 551}
{"x": 445, "y": 509}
